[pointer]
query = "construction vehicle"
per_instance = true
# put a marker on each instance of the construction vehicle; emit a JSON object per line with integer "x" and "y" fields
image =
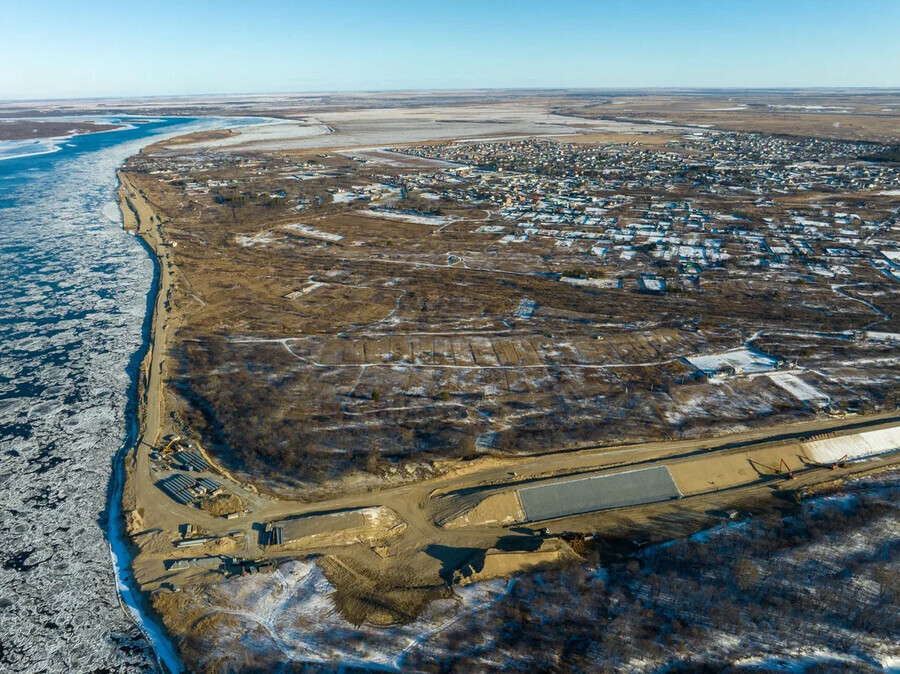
{"x": 840, "y": 462}
{"x": 790, "y": 473}
{"x": 168, "y": 447}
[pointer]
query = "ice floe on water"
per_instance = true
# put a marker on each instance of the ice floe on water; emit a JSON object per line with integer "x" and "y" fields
{"x": 32, "y": 147}
{"x": 73, "y": 298}
{"x": 15, "y": 149}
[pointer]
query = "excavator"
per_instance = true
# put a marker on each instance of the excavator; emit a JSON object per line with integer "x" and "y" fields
{"x": 168, "y": 447}
{"x": 790, "y": 473}
{"x": 840, "y": 462}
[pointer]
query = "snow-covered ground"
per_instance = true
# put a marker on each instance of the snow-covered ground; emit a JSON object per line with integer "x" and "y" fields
{"x": 277, "y": 134}
{"x": 344, "y": 197}
{"x": 883, "y": 336}
{"x": 746, "y": 361}
{"x": 312, "y": 232}
{"x": 813, "y": 108}
{"x": 289, "y": 616}
{"x": 372, "y": 129}
{"x": 591, "y": 282}
{"x": 798, "y": 388}
{"x": 259, "y": 239}
{"x": 392, "y": 158}
{"x": 412, "y": 218}
{"x": 742, "y": 106}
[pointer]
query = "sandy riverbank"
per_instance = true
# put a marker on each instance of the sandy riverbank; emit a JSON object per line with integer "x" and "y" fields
{"x": 136, "y": 217}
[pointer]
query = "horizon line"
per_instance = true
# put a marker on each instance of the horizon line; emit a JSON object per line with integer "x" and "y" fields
{"x": 333, "y": 92}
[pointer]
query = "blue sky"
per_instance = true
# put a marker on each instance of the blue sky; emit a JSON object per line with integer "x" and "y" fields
{"x": 69, "y": 48}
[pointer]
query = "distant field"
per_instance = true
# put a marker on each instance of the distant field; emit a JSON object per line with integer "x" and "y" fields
{"x": 875, "y": 117}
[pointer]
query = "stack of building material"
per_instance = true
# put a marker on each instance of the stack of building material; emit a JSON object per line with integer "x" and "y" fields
{"x": 277, "y": 537}
{"x": 191, "y": 461}
{"x": 209, "y": 486}
{"x": 179, "y": 487}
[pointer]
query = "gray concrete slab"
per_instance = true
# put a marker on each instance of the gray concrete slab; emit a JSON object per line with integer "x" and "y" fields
{"x": 600, "y": 492}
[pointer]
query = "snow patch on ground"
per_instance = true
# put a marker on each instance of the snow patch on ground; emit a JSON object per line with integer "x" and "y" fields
{"x": 798, "y": 388}
{"x": 280, "y": 134}
{"x": 744, "y": 361}
{"x": 312, "y": 232}
{"x": 293, "y": 608}
{"x": 260, "y": 239}
{"x": 590, "y": 282}
{"x": 413, "y": 218}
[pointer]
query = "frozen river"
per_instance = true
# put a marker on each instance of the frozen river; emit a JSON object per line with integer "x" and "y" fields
{"x": 73, "y": 300}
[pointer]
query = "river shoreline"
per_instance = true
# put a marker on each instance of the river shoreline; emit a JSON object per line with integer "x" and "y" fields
{"x": 76, "y": 288}
{"x": 121, "y": 552}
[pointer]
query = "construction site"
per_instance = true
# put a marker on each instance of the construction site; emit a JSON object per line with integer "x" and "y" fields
{"x": 387, "y": 556}
{"x": 381, "y": 401}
